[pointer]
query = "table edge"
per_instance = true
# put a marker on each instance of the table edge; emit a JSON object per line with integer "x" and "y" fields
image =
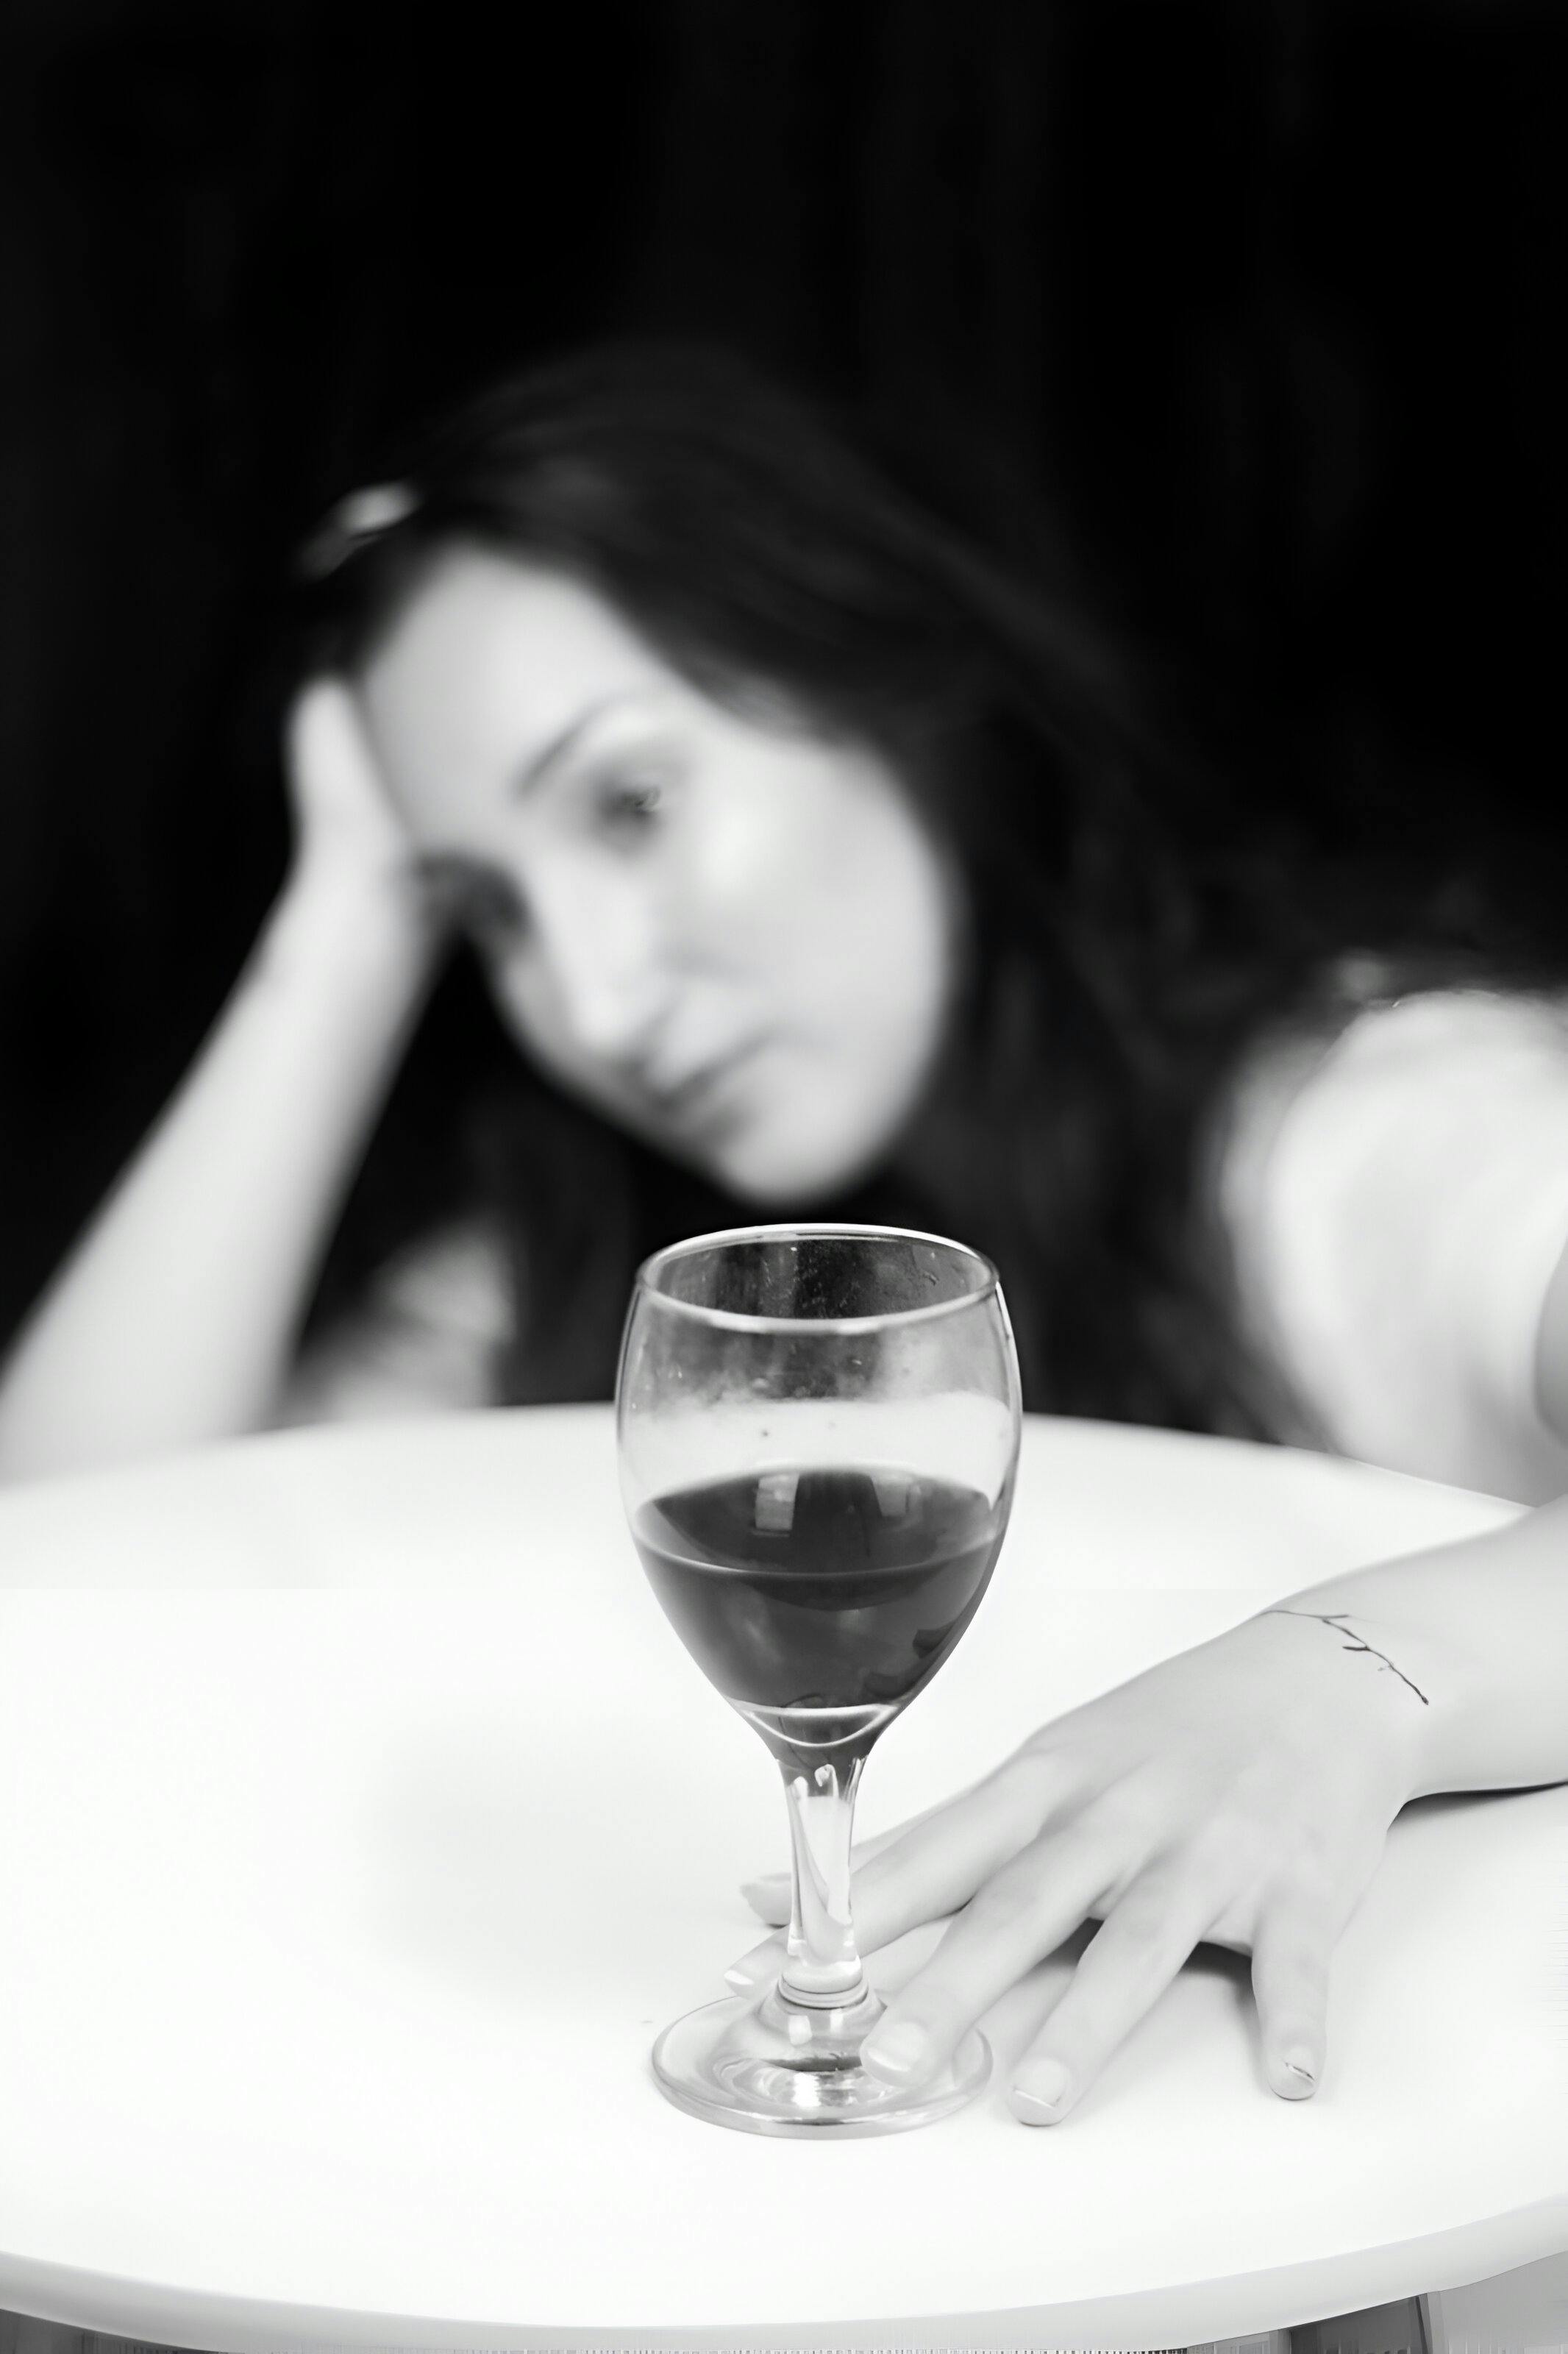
{"x": 1241, "y": 2305}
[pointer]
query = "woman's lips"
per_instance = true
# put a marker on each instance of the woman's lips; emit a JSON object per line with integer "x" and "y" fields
{"x": 700, "y": 1096}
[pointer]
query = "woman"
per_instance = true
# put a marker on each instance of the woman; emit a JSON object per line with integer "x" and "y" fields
{"x": 813, "y": 865}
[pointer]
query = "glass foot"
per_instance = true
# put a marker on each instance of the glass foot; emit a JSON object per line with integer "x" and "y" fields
{"x": 766, "y": 2066}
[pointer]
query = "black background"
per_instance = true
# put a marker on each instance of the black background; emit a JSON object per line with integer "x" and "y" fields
{"x": 1261, "y": 299}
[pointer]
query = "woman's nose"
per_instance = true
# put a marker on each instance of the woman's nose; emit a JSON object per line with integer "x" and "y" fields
{"x": 600, "y": 948}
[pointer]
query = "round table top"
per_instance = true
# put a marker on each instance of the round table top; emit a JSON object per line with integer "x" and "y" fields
{"x": 353, "y": 1851}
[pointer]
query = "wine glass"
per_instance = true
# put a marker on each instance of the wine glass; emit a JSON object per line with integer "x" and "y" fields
{"x": 818, "y": 1430}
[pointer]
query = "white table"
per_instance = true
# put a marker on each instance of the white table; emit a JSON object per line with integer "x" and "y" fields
{"x": 351, "y": 1851}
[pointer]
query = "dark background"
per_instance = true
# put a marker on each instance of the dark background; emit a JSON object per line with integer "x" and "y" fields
{"x": 1261, "y": 300}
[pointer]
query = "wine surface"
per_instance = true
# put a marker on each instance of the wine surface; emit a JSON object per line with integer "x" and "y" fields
{"x": 820, "y": 1590}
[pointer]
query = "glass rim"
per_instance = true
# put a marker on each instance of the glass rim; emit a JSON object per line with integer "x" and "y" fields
{"x": 734, "y": 1321}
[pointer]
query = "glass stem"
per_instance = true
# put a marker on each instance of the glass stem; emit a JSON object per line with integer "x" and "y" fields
{"x": 823, "y": 1967}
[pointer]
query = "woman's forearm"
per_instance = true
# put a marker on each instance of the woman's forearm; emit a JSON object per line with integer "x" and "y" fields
{"x": 173, "y": 1319}
{"x": 1479, "y": 1631}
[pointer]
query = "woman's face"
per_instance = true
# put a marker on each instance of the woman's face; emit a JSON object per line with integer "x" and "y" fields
{"x": 731, "y": 937}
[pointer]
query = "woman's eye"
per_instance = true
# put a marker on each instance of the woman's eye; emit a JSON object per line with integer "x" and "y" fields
{"x": 630, "y": 802}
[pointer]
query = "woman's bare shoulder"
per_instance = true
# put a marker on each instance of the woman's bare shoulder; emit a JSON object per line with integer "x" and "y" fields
{"x": 1394, "y": 1189}
{"x": 1366, "y": 1044}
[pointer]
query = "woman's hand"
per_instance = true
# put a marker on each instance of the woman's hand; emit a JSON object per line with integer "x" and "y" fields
{"x": 347, "y": 832}
{"x": 1239, "y": 1793}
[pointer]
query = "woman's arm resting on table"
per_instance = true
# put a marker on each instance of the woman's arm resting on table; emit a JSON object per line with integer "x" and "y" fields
{"x": 1239, "y": 1793}
{"x": 173, "y": 1321}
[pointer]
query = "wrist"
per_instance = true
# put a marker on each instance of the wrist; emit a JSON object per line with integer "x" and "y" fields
{"x": 1419, "y": 1614}
{"x": 1347, "y": 1690}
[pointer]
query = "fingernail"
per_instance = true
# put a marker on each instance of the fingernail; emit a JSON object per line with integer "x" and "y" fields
{"x": 1298, "y": 2064}
{"x": 898, "y": 2053}
{"x": 758, "y": 1967}
{"x": 1041, "y": 2097}
{"x": 766, "y": 1890}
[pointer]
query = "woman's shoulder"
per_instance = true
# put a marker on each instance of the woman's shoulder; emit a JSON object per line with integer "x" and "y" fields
{"x": 1394, "y": 1181}
{"x": 1368, "y": 1038}
{"x": 426, "y": 1336}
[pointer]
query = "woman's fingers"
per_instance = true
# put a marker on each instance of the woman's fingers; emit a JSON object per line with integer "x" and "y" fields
{"x": 343, "y": 816}
{"x": 1022, "y": 1913}
{"x": 942, "y": 1859}
{"x": 758, "y": 1966}
{"x": 769, "y": 1896}
{"x": 921, "y": 1872}
{"x": 1291, "y": 1953}
{"x": 1031, "y": 1906}
{"x": 768, "y": 1893}
{"x": 1134, "y": 1954}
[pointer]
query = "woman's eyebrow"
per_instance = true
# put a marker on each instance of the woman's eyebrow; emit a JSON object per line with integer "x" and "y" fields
{"x": 565, "y": 741}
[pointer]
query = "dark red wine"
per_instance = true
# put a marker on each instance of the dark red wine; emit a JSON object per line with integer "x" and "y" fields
{"x": 820, "y": 1590}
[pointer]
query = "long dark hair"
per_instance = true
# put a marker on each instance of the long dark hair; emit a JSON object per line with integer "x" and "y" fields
{"x": 1135, "y": 923}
